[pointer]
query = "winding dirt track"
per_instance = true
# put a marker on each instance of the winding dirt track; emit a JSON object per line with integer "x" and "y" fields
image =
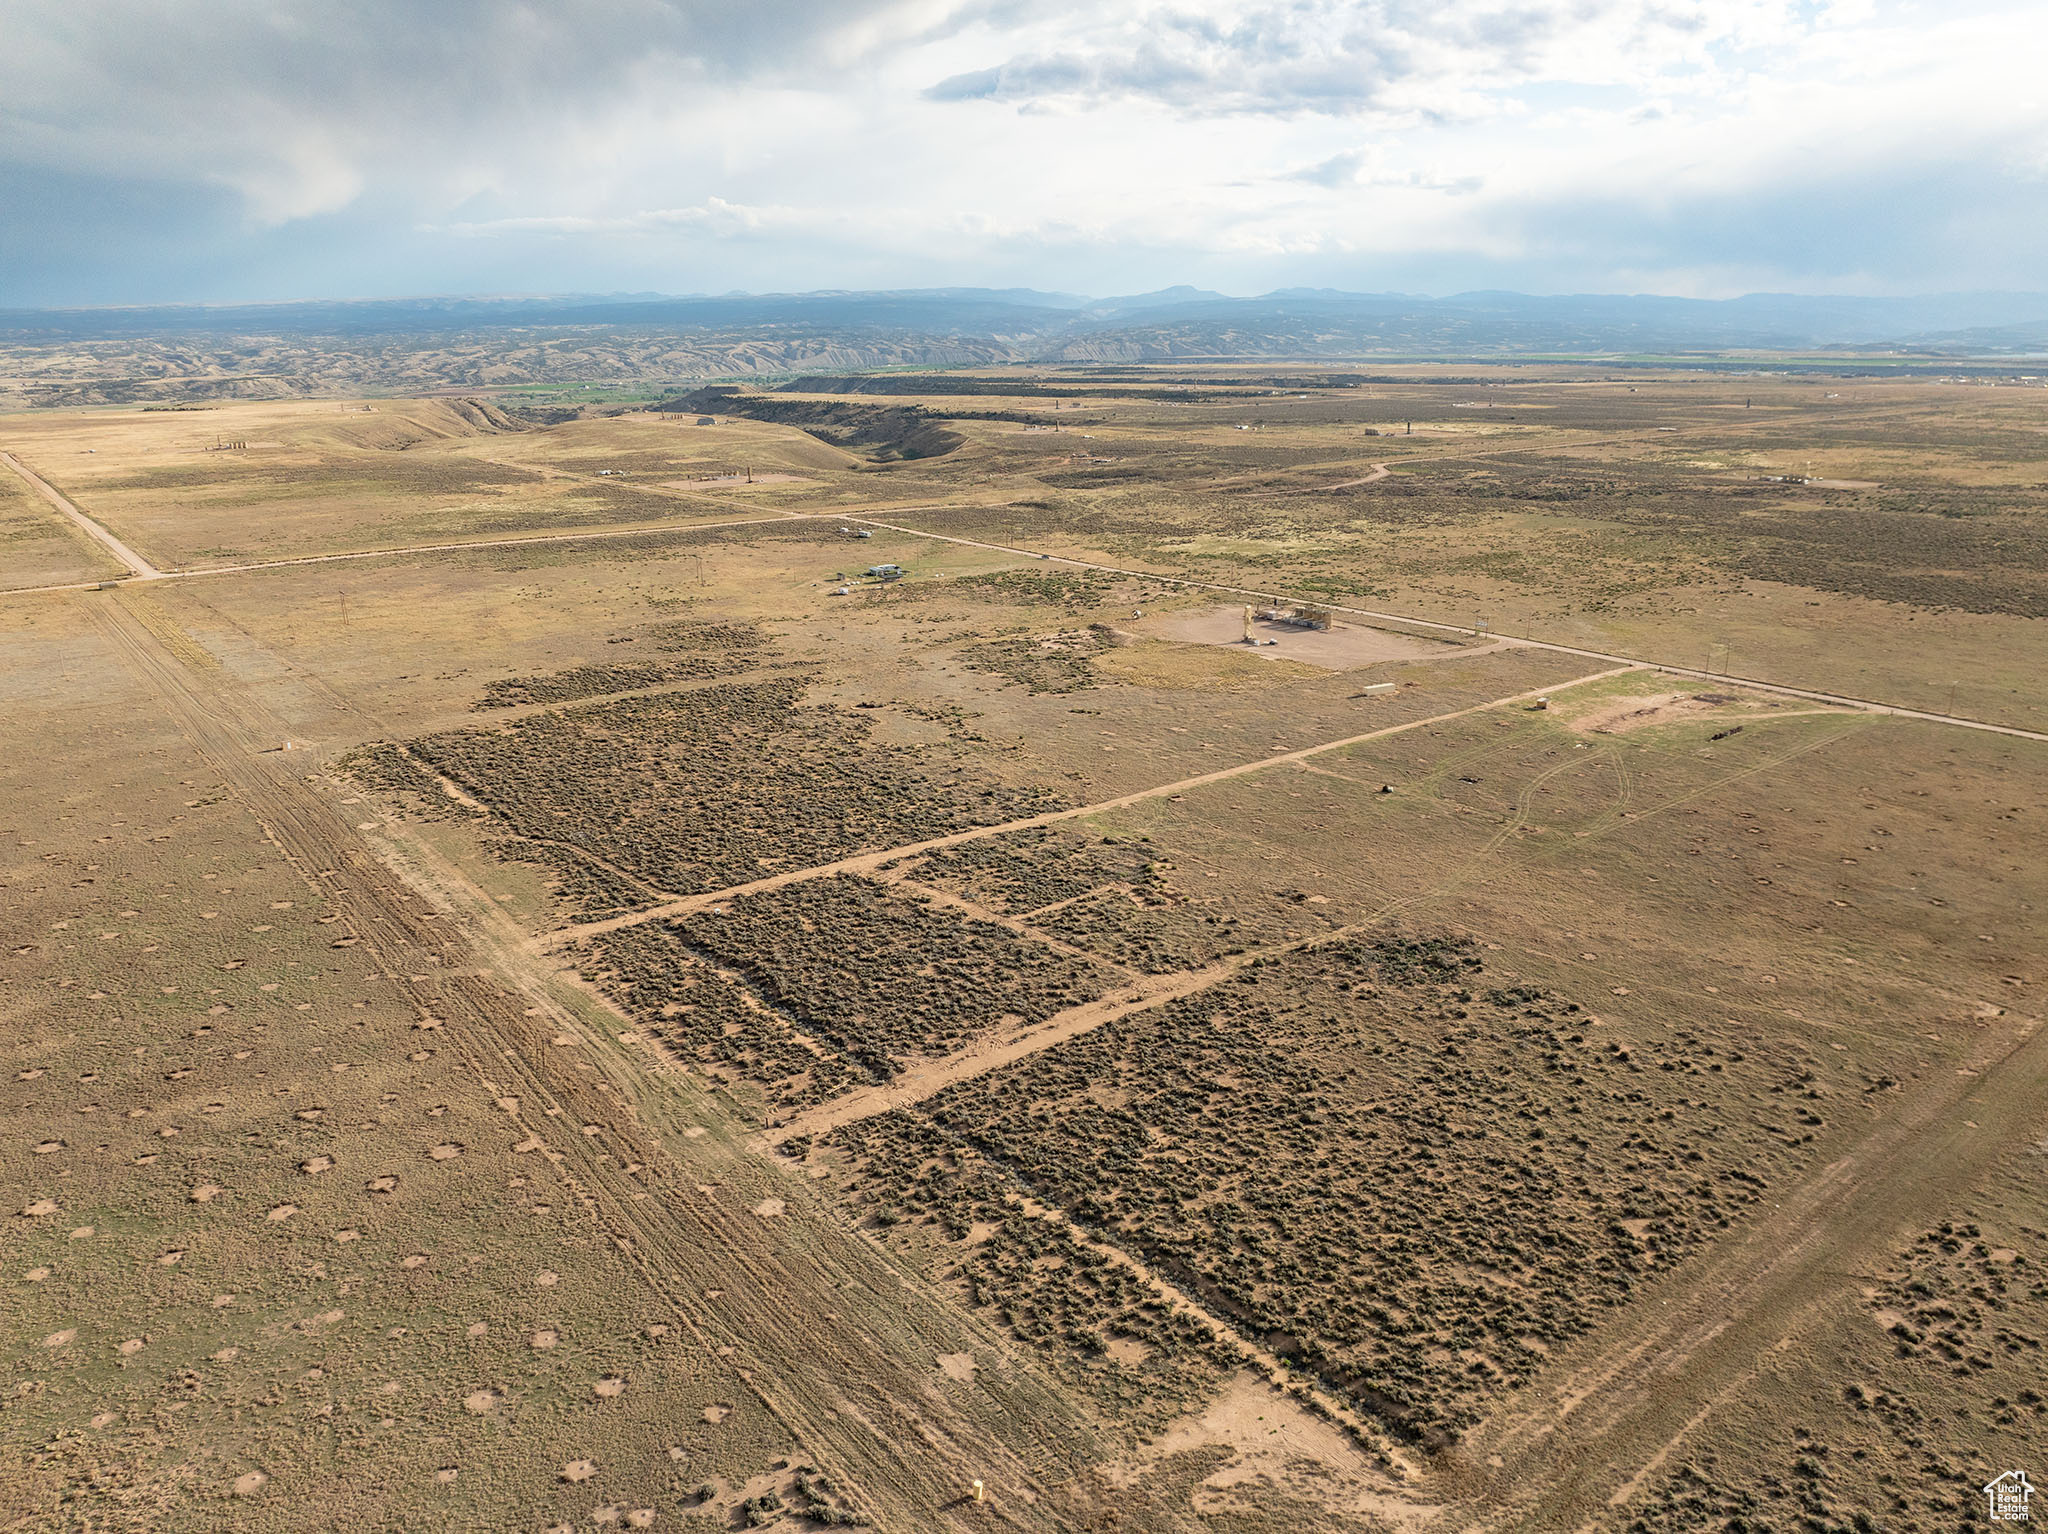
{"x": 853, "y": 1384}
{"x": 1379, "y": 472}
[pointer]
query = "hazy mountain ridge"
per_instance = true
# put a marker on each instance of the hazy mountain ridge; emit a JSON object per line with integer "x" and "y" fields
{"x": 69, "y": 357}
{"x": 1022, "y": 313}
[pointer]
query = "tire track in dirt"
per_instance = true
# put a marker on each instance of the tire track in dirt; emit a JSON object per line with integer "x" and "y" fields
{"x": 1114, "y": 887}
{"x": 852, "y": 1392}
{"x": 1853, "y": 724}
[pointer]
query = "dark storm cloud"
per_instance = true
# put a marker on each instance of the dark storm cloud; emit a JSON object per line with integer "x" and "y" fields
{"x": 443, "y": 57}
{"x": 261, "y": 94}
{"x": 207, "y": 148}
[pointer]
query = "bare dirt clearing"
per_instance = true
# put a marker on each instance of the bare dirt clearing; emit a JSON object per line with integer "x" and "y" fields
{"x": 1730, "y": 710}
{"x": 732, "y": 481}
{"x": 1340, "y": 647}
{"x": 1272, "y": 1442}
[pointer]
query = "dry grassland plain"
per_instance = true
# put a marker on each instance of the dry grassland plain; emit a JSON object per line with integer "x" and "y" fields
{"x": 538, "y": 994}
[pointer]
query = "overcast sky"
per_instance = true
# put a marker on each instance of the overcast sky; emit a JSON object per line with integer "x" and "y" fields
{"x": 216, "y": 150}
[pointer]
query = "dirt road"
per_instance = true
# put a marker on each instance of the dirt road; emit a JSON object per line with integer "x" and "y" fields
{"x": 138, "y": 567}
{"x": 1379, "y": 472}
{"x": 933, "y": 1076}
{"x": 869, "y": 862}
{"x": 857, "y": 1392}
{"x": 1602, "y": 1423}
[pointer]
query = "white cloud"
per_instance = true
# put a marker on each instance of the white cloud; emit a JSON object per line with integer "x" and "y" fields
{"x": 1694, "y": 145}
{"x": 1342, "y": 57}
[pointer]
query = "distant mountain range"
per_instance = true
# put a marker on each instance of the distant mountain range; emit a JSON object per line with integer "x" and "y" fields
{"x": 1021, "y": 324}
{"x": 641, "y": 341}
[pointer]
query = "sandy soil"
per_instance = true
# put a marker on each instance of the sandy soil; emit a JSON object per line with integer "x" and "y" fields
{"x": 1274, "y": 1442}
{"x": 1638, "y": 711}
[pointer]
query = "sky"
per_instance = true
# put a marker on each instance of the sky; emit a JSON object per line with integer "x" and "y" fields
{"x": 173, "y": 151}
